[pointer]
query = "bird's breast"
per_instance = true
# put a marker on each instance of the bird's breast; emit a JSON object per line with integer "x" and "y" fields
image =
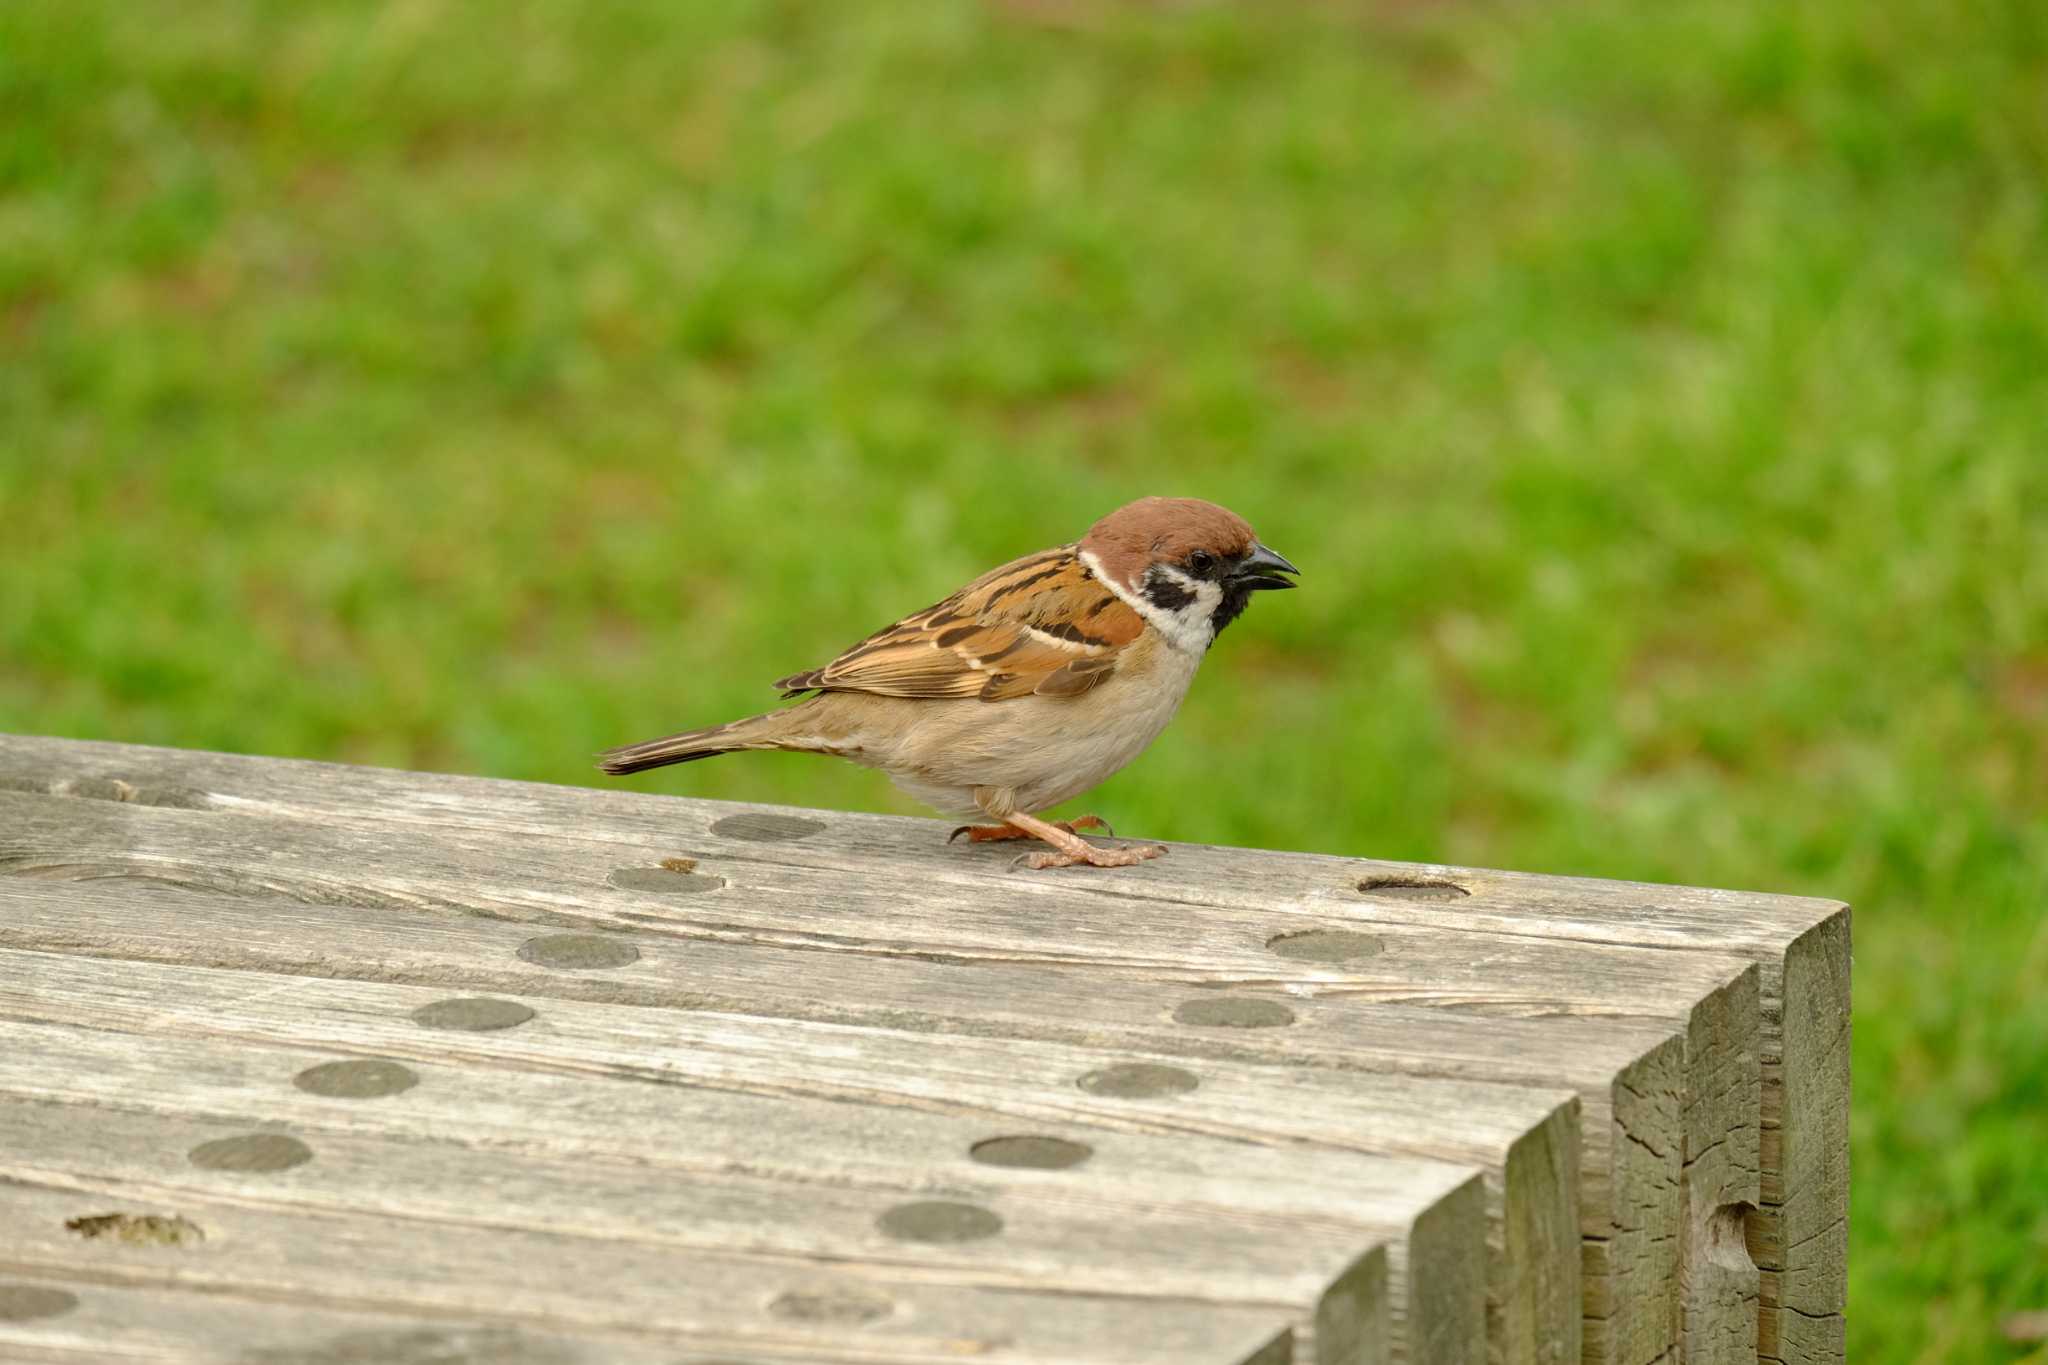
{"x": 1048, "y": 749}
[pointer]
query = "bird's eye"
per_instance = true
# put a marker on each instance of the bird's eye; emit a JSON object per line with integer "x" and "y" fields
{"x": 1202, "y": 562}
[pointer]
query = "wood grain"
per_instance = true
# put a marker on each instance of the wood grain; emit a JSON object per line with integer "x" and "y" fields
{"x": 1802, "y": 1239}
{"x": 887, "y": 890}
{"x": 1196, "y": 1237}
{"x": 1607, "y": 1061}
{"x": 1022, "y": 927}
{"x": 939, "y": 1098}
{"x": 379, "y": 1262}
{"x": 112, "y": 1322}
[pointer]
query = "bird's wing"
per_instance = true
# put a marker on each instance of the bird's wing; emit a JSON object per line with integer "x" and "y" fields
{"x": 1041, "y": 624}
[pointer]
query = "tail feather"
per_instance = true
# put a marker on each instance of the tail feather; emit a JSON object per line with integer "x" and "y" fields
{"x": 790, "y": 728}
{"x": 687, "y": 747}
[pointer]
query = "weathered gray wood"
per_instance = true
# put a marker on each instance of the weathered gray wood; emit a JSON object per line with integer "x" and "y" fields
{"x": 1626, "y": 1072}
{"x": 1191, "y": 1218}
{"x": 1802, "y": 1240}
{"x": 551, "y": 882}
{"x": 1800, "y": 945}
{"x": 802, "y": 885}
{"x": 553, "y": 1282}
{"x": 1249, "y": 1234}
{"x": 87, "y": 1320}
{"x": 922, "y": 1104}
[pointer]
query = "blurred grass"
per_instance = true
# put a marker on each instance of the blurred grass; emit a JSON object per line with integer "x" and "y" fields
{"x": 1656, "y": 397}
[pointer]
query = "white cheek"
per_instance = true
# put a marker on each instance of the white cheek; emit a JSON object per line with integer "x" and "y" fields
{"x": 1188, "y": 629}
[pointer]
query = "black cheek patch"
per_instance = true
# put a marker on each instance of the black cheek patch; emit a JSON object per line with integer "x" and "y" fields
{"x": 1167, "y": 595}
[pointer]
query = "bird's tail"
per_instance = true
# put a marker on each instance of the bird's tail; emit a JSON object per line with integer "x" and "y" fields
{"x": 770, "y": 731}
{"x": 686, "y": 747}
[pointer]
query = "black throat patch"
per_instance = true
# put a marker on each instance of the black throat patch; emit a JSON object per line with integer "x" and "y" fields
{"x": 1235, "y": 598}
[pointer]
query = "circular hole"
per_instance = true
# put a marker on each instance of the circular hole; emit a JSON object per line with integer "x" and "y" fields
{"x": 1325, "y": 945}
{"x": 358, "y": 1080}
{"x": 1138, "y": 1081}
{"x": 1031, "y": 1152}
{"x": 844, "y": 1306}
{"x": 251, "y": 1153}
{"x": 665, "y": 881}
{"x": 939, "y": 1220}
{"x": 1228, "y": 1012}
{"x": 765, "y": 829}
{"x": 472, "y": 1014}
{"x": 578, "y": 952}
{"x": 1412, "y": 888}
{"x": 27, "y": 1302}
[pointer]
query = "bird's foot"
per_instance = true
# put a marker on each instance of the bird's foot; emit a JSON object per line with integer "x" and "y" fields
{"x": 990, "y": 834}
{"x": 1090, "y": 855}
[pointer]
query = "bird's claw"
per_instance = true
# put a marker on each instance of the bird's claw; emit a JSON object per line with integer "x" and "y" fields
{"x": 994, "y": 834}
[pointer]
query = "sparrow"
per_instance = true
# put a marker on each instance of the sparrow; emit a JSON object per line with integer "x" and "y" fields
{"x": 1027, "y": 687}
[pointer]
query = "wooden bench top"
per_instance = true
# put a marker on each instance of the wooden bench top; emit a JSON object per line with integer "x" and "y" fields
{"x": 302, "y": 1061}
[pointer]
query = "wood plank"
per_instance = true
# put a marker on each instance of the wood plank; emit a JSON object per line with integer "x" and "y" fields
{"x": 82, "y": 1319}
{"x": 258, "y": 1250}
{"x": 1800, "y": 944}
{"x": 1802, "y": 1239}
{"x": 1267, "y": 1247}
{"x": 1624, "y": 1071}
{"x": 573, "y": 882}
{"x": 920, "y": 1104}
{"x": 1711, "y": 1111}
{"x": 554, "y": 882}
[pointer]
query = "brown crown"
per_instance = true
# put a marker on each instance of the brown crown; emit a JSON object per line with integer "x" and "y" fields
{"x": 1164, "y": 530}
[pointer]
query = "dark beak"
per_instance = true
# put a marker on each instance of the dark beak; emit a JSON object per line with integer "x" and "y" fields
{"x": 1262, "y": 569}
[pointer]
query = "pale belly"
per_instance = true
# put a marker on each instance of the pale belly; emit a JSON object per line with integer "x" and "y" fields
{"x": 1041, "y": 750}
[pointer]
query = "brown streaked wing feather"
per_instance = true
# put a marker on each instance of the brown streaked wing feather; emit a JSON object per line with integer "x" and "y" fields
{"x": 1039, "y": 624}
{"x": 1076, "y": 678}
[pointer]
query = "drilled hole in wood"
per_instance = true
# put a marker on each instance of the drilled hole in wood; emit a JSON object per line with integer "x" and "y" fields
{"x": 1030, "y": 1152}
{"x": 1412, "y": 888}
{"x": 27, "y": 1302}
{"x": 1325, "y": 945}
{"x": 251, "y": 1153}
{"x": 1729, "y": 1232}
{"x": 420, "y": 1346}
{"x": 368, "y": 1079}
{"x": 843, "y": 1306}
{"x": 766, "y": 828}
{"x": 578, "y": 952}
{"x": 1138, "y": 1081}
{"x": 939, "y": 1220}
{"x": 472, "y": 1014}
{"x": 137, "y": 1229}
{"x": 1234, "y": 1012}
{"x": 168, "y": 795}
{"x": 666, "y": 880}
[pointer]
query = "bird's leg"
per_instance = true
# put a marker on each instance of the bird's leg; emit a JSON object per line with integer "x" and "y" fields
{"x": 1071, "y": 849}
{"x": 990, "y": 834}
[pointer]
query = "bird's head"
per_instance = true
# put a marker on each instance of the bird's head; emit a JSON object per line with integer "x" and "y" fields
{"x": 1187, "y": 566}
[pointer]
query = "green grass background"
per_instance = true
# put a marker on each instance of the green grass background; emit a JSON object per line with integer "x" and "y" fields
{"x": 1654, "y": 395}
